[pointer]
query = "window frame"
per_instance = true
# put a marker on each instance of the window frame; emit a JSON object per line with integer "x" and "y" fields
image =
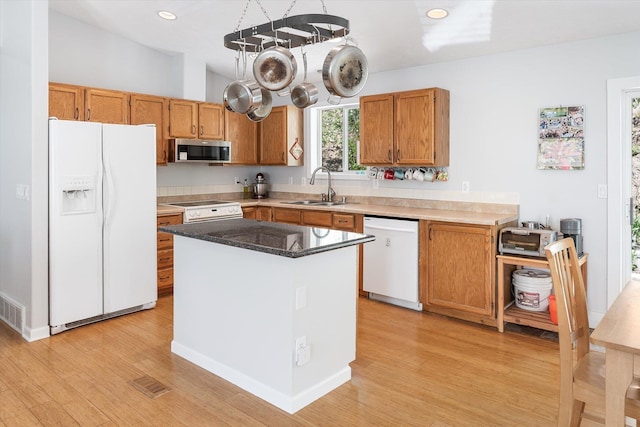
{"x": 315, "y": 145}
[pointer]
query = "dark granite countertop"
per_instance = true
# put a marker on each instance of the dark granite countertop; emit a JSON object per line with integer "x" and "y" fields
{"x": 293, "y": 241}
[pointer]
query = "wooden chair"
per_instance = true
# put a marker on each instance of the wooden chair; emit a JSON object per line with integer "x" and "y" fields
{"x": 582, "y": 372}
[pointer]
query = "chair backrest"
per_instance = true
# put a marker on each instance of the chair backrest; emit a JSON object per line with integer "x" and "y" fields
{"x": 571, "y": 303}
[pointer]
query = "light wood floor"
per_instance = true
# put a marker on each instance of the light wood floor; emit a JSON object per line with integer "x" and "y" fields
{"x": 412, "y": 369}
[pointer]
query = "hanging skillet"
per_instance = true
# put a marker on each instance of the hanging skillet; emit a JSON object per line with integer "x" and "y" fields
{"x": 275, "y": 68}
{"x": 345, "y": 71}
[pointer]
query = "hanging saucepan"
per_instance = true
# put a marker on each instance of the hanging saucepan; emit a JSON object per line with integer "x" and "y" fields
{"x": 242, "y": 96}
{"x": 275, "y": 68}
{"x": 345, "y": 71}
{"x": 264, "y": 109}
{"x": 305, "y": 94}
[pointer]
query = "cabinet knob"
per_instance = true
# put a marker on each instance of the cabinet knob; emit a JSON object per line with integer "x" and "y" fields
{"x": 88, "y": 114}
{"x": 201, "y": 129}
{"x": 398, "y": 157}
{"x": 77, "y": 114}
{"x": 193, "y": 129}
{"x": 389, "y": 155}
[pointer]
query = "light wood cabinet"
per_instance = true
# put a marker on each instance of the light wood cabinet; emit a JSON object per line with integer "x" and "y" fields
{"x": 165, "y": 253}
{"x": 243, "y": 134}
{"x": 405, "y": 128}
{"x": 286, "y": 215}
{"x": 197, "y": 120}
{"x": 279, "y": 132}
{"x": 210, "y": 121}
{"x": 66, "y": 102}
{"x": 260, "y": 213}
{"x": 183, "y": 118}
{"x": 106, "y": 106}
{"x": 457, "y": 270}
{"x": 153, "y": 109}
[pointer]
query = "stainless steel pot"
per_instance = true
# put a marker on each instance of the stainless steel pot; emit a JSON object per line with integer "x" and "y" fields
{"x": 242, "y": 96}
{"x": 305, "y": 94}
{"x": 275, "y": 68}
{"x": 345, "y": 71}
{"x": 264, "y": 109}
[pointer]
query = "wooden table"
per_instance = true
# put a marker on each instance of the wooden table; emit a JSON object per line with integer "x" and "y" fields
{"x": 507, "y": 310}
{"x": 619, "y": 333}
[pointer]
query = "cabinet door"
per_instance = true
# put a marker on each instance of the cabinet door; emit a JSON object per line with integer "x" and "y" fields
{"x": 106, "y": 106}
{"x": 249, "y": 212}
{"x": 459, "y": 268}
{"x": 317, "y": 218}
{"x": 211, "y": 121}
{"x": 289, "y": 216}
{"x": 153, "y": 109}
{"x": 273, "y": 137}
{"x": 414, "y": 127}
{"x": 243, "y": 134}
{"x": 66, "y": 102}
{"x": 183, "y": 118}
{"x": 263, "y": 213}
{"x": 376, "y": 130}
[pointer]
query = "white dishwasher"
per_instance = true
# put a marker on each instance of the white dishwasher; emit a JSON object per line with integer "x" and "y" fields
{"x": 391, "y": 261}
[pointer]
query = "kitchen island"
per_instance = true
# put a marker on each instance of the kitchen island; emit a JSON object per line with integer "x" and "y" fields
{"x": 269, "y": 307}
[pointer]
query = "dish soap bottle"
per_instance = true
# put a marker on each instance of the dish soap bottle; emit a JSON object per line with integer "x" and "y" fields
{"x": 245, "y": 189}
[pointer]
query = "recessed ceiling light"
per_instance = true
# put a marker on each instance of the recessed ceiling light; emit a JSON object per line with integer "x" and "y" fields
{"x": 165, "y": 14}
{"x": 437, "y": 13}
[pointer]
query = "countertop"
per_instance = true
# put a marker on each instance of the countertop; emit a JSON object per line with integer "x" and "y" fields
{"x": 292, "y": 241}
{"x": 399, "y": 210}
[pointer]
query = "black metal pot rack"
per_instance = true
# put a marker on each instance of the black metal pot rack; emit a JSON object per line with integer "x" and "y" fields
{"x": 289, "y": 32}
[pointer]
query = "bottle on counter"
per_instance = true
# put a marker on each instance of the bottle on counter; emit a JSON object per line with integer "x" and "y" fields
{"x": 245, "y": 189}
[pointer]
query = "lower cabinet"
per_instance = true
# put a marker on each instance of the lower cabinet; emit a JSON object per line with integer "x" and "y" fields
{"x": 457, "y": 270}
{"x": 165, "y": 253}
{"x": 260, "y": 213}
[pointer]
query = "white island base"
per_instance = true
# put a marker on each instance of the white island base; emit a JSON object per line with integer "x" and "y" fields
{"x": 238, "y": 314}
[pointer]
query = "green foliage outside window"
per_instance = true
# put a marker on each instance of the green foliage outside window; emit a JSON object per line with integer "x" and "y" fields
{"x": 333, "y": 133}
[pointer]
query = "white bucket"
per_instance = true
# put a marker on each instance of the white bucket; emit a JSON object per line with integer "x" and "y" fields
{"x": 531, "y": 289}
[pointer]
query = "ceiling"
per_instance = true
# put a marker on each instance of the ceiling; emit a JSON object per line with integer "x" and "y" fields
{"x": 393, "y": 34}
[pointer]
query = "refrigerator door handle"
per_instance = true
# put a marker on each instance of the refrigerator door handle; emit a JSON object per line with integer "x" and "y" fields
{"x": 109, "y": 189}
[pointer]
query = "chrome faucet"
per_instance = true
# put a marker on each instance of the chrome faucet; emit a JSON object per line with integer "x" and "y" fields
{"x": 330, "y": 192}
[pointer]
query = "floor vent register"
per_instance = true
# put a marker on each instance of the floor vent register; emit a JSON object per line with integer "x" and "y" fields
{"x": 150, "y": 387}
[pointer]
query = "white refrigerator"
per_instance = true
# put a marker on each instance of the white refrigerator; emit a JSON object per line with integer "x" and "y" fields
{"x": 102, "y": 221}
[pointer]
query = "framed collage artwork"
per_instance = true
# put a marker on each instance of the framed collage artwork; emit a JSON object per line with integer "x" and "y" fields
{"x": 561, "y": 138}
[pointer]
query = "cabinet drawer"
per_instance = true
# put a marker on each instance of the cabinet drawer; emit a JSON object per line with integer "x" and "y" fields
{"x": 165, "y": 220}
{"x": 165, "y": 279}
{"x": 165, "y": 240}
{"x": 317, "y": 218}
{"x": 291, "y": 216}
{"x": 165, "y": 259}
{"x": 344, "y": 221}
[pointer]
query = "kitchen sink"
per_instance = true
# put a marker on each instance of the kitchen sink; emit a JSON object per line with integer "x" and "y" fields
{"x": 315, "y": 203}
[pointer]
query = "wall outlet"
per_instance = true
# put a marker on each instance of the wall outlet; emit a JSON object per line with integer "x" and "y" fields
{"x": 290, "y": 180}
{"x": 465, "y": 186}
{"x": 22, "y": 191}
{"x": 303, "y": 351}
{"x": 236, "y": 180}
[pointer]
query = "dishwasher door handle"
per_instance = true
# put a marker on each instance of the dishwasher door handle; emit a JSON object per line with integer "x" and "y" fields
{"x": 401, "y": 230}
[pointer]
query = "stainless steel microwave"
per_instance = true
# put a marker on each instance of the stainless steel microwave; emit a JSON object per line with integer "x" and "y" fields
{"x": 199, "y": 150}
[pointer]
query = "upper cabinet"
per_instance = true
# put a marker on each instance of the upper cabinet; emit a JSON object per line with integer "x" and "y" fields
{"x": 66, "y": 102}
{"x": 106, "y": 106}
{"x": 281, "y": 137}
{"x": 405, "y": 128}
{"x": 183, "y": 118}
{"x": 243, "y": 134}
{"x": 210, "y": 121}
{"x": 153, "y": 109}
{"x": 198, "y": 120}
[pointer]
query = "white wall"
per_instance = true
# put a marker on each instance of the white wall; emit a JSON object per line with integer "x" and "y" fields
{"x": 23, "y": 160}
{"x": 494, "y": 107}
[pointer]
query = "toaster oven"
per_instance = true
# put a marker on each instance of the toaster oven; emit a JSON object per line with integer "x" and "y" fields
{"x": 525, "y": 241}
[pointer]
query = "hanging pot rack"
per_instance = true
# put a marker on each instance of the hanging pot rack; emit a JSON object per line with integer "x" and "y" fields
{"x": 290, "y": 32}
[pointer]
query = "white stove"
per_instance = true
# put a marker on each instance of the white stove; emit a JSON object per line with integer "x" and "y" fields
{"x": 208, "y": 210}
